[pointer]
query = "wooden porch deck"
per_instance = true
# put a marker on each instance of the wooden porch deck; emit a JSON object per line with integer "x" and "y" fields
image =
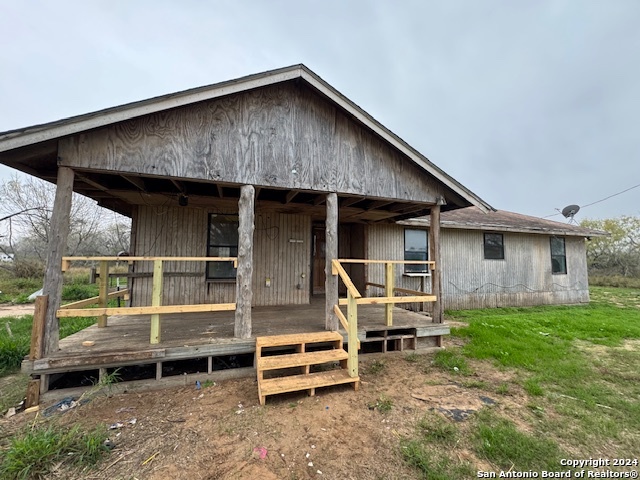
{"x": 190, "y": 335}
{"x": 125, "y": 342}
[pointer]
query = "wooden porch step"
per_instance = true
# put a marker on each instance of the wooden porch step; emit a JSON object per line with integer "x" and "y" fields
{"x": 276, "y": 362}
{"x": 301, "y": 361}
{"x": 295, "y": 383}
{"x": 298, "y": 339}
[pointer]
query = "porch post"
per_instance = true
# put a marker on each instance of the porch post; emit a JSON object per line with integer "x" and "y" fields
{"x": 58, "y": 234}
{"x": 331, "y": 253}
{"x": 244, "y": 293}
{"x": 436, "y": 273}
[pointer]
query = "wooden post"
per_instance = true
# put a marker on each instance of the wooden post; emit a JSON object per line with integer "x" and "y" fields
{"x": 331, "y": 253}
{"x": 244, "y": 292}
{"x": 103, "y": 291}
{"x": 156, "y": 301}
{"x": 33, "y": 393}
{"x": 58, "y": 234}
{"x": 352, "y": 318}
{"x": 436, "y": 274}
{"x": 37, "y": 329}
{"x": 389, "y": 281}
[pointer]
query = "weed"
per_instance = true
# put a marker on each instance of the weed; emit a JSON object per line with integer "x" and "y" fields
{"x": 208, "y": 383}
{"x": 433, "y": 427}
{"x": 433, "y": 465}
{"x": 479, "y": 384}
{"x": 532, "y": 387}
{"x": 499, "y": 441}
{"x": 33, "y": 453}
{"x": 376, "y": 367}
{"x": 452, "y": 361}
{"x": 383, "y": 404}
{"x": 503, "y": 389}
{"x": 412, "y": 357}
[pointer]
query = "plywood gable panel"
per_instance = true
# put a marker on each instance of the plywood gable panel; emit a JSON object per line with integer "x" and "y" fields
{"x": 283, "y": 136}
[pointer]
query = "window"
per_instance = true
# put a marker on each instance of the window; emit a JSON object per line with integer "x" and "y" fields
{"x": 222, "y": 242}
{"x": 493, "y": 246}
{"x": 558, "y": 256}
{"x": 415, "y": 248}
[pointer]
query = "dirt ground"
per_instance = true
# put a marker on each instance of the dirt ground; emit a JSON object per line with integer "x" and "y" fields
{"x": 16, "y": 310}
{"x": 221, "y": 431}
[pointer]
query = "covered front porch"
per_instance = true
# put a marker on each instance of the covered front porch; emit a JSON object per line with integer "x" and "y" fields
{"x": 205, "y": 342}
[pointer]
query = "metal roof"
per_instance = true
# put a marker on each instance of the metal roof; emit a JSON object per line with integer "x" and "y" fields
{"x": 45, "y": 133}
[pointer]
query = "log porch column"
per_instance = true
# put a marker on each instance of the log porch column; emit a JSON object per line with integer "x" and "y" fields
{"x": 58, "y": 234}
{"x": 434, "y": 253}
{"x": 244, "y": 293}
{"x": 331, "y": 253}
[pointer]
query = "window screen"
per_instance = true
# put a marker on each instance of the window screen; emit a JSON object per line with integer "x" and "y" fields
{"x": 415, "y": 248}
{"x": 222, "y": 242}
{"x": 558, "y": 256}
{"x": 493, "y": 246}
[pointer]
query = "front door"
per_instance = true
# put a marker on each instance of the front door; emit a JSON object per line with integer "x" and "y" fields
{"x": 318, "y": 253}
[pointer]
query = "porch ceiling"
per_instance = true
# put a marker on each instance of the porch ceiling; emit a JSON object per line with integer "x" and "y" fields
{"x": 121, "y": 192}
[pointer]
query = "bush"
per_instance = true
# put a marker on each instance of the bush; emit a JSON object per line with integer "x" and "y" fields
{"x": 78, "y": 291}
{"x": 12, "y": 351}
{"x": 35, "y": 452}
{"x": 28, "y": 268}
{"x": 617, "y": 281}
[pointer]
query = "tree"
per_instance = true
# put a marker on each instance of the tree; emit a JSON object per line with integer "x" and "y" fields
{"x": 25, "y": 209}
{"x": 618, "y": 253}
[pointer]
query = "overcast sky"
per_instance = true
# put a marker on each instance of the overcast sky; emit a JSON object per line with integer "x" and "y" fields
{"x": 533, "y": 105}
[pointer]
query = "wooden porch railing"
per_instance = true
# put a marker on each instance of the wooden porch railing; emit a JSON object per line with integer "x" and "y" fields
{"x": 354, "y": 298}
{"x": 155, "y": 310}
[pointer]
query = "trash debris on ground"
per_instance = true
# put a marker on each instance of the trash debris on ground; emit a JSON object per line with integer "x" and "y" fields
{"x": 10, "y": 413}
{"x": 118, "y": 425}
{"x": 198, "y": 385}
{"x": 109, "y": 444}
{"x": 260, "y": 452}
{"x": 63, "y": 405}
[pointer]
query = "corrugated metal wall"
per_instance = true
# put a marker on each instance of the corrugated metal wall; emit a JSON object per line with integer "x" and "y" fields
{"x": 469, "y": 281}
{"x": 281, "y": 254}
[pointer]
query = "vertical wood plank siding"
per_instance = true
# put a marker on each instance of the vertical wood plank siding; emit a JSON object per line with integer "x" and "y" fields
{"x": 182, "y": 231}
{"x": 523, "y": 278}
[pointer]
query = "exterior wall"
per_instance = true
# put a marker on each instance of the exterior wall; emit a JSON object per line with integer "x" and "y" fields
{"x": 284, "y": 136}
{"x": 386, "y": 242}
{"x": 182, "y": 231}
{"x": 523, "y": 278}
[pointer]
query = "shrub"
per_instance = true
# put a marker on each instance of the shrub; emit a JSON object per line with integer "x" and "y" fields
{"x": 35, "y": 452}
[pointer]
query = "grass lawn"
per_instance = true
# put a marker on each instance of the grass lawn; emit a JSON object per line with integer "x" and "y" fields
{"x": 579, "y": 367}
{"x": 574, "y": 371}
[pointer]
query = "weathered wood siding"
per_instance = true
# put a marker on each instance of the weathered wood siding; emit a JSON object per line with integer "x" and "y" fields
{"x": 284, "y": 136}
{"x": 386, "y": 242}
{"x": 182, "y": 231}
{"x": 523, "y": 278}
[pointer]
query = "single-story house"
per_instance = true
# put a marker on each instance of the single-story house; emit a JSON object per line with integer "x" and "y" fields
{"x": 498, "y": 258}
{"x": 254, "y": 204}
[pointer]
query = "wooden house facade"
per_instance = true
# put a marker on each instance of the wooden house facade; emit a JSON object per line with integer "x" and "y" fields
{"x": 274, "y": 177}
{"x": 503, "y": 259}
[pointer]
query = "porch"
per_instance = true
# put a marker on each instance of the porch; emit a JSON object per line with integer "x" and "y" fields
{"x": 204, "y": 342}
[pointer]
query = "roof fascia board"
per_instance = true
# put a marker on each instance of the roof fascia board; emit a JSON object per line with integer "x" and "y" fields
{"x": 391, "y": 138}
{"x": 138, "y": 109}
{"x": 503, "y": 228}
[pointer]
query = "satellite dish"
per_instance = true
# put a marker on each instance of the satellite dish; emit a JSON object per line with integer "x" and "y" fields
{"x": 570, "y": 211}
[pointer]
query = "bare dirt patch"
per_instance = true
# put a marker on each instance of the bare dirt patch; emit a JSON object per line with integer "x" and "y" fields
{"x": 221, "y": 431}
{"x": 16, "y": 310}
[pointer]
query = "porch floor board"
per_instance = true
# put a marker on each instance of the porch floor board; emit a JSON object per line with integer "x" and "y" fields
{"x": 131, "y": 333}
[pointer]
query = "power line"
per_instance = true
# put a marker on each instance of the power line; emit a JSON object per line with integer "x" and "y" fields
{"x": 598, "y": 201}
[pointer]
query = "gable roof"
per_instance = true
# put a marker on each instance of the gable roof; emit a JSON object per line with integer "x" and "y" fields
{"x": 50, "y": 132}
{"x": 472, "y": 218}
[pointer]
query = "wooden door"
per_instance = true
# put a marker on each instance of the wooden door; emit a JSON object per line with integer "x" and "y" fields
{"x": 319, "y": 258}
